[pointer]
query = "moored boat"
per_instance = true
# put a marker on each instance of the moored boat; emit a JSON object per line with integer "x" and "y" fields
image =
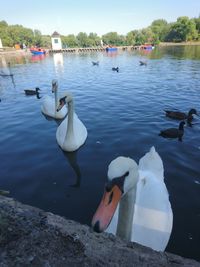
{"x": 109, "y": 49}
{"x": 38, "y": 51}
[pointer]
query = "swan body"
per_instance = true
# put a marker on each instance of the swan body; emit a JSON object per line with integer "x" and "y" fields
{"x": 49, "y": 105}
{"x": 71, "y": 133}
{"x": 143, "y": 213}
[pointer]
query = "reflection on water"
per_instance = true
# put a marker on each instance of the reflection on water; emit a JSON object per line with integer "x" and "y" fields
{"x": 178, "y": 52}
{"x": 72, "y": 159}
{"x": 58, "y": 62}
{"x": 36, "y": 58}
{"x": 123, "y": 113}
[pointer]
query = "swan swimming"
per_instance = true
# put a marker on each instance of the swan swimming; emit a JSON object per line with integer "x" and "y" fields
{"x": 71, "y": 133}
{"x": 135, "y": 205}
{"x": 49, "y": 105}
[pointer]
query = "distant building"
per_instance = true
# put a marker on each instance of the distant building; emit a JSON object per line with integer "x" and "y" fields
{"x": 56, "y": 41}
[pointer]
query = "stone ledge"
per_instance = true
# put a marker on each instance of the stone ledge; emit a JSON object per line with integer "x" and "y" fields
{"x": 32, "y": 237}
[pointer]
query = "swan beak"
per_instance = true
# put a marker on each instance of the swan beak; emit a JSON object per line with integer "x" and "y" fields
{"x": 106, "y": 209}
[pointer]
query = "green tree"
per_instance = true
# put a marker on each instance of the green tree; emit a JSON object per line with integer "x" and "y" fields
{"x": 130, "y": 38}
{"x": 69, "y": 41}
{"x": 159, "y": 28}
{"x": 112, "y": 38}
{"x": 37, "y": 38}
{"x": 82, "y": 39}
{"x": 94, "y": 39}
{"x": 184, "y": 29}
{"x": 3, "y": 23}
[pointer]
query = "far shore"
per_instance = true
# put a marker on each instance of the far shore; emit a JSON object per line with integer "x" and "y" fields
{"x": 13, "y": 52}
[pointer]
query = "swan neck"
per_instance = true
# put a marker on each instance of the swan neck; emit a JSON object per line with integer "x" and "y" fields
{"x": 126, "y": 212}
{"x": 70, "y": 119}
{"x": 56, "y": 100}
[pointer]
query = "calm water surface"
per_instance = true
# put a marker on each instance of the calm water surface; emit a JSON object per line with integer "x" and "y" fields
{"x": 123, "y": 113}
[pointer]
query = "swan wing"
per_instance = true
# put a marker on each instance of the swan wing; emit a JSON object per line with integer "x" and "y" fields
{"x": 152, "y": 162}
{"x": 48, "y": 106}
{"x": 80, "y": 131}
{"x": 153, "y": 217}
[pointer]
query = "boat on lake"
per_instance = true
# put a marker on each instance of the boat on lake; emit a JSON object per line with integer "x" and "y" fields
{"x": 37, "y": 51}
{"x": 111, "y": 49}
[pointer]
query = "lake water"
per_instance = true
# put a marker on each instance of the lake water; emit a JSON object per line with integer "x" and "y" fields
{"x": 123, "y": 113}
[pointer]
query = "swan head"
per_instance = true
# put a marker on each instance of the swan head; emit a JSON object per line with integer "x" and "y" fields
{"x": 54, "y": 85}
{"x": 67, "y": 98}
{"x": 122, "y": 177}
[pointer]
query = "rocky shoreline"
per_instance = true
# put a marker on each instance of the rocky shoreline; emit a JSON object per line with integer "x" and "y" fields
{"x": 32, "y": 237}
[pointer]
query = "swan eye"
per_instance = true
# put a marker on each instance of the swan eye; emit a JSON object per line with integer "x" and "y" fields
{"x": 126, "y": 174}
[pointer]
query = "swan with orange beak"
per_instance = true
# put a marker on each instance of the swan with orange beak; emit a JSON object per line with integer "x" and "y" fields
{"x": 135, "y": 205}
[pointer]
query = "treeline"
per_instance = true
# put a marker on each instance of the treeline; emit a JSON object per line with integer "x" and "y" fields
{"x": 184, "y": 29}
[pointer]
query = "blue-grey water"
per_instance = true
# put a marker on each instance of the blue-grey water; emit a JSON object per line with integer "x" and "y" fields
{"x": 123, "y": 113}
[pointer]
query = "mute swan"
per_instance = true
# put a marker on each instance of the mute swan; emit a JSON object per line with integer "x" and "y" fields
{"x": 71, "y": 133}
{"x": 174, "y": 132}
{"x": 144, "y": 213}
{"x": 49, "y": 105}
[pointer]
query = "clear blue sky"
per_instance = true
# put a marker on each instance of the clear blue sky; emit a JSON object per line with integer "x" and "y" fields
{"x": 102, "y": 16}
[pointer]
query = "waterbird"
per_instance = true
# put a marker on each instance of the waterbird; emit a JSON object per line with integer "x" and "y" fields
{"x": 95, "y": 63}
{"x": 32, "y": 92}
{"x": 135, "y": 205}
{"x": 115, "y": 69}
{"x": 49, "y": 105}
{"x": 71, "y": 133}
{"x": 143, "y": 63}
{"x": 174, "y": 132}
{"x": 177, "y": 115}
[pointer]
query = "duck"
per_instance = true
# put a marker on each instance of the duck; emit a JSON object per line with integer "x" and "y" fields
{"x": 71, "y": 134}
{"x": 32, "y": 92}
{"x": 177, "y": 115}
{"x": 49, "y": 105}
{"x": 143, "y": 63}
{"x": 95, "y": 63}
{"x": 174, "y": 132}
{"x": 135, "y": 205}
{"x": 116, "y": 69}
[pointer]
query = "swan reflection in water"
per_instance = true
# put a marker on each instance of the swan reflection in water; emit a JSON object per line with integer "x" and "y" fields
{"x": 72, "y": 159}
{"x": 70, "y": 156}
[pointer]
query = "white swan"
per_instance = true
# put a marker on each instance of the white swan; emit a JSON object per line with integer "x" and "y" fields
{"x": 49, "y": 105}
{"x": 144, "y": 213}
{"x": 71, "y": 133}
